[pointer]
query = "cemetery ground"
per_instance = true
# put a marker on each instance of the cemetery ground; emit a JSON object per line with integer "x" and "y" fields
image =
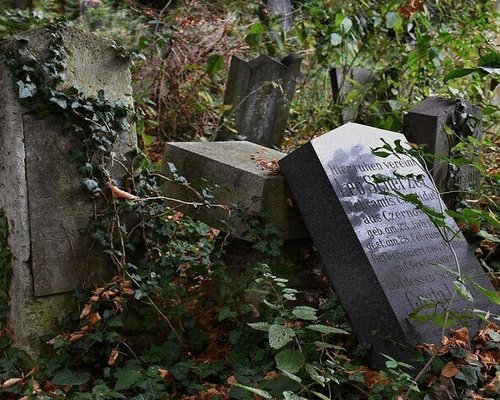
{"x": 236, "y": 309}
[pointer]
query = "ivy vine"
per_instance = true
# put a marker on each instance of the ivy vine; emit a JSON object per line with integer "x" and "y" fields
{"x": 137, "y": 231}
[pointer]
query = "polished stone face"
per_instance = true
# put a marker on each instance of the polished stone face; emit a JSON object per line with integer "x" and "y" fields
{"x": 385, "y": 257}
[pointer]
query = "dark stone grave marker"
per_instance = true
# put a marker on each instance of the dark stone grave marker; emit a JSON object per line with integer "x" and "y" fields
{"x": 425, "y": 125}
{"x": 258, "y": 95}
{"x": 281, "y": 9}
{"x": 380, "y": 252}
{"x": 356, "y": 78}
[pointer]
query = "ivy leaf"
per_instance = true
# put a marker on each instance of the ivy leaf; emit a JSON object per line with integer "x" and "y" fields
{"x": 226, "y": 313}
{"x": 491, "y": 295}
{"x": 468, "y": 374}
{"x": 488, "y": 236}
{"x": 260, "y": 326}
{"x": 463, "y": 291}
{"x": 493, "y": 335}
{"x": 279, "y": 336}
{"x": 126, "y": 378}
{"x": 393, "y": 20}
{"x": 327, "y": 329}
{"x": 102, "y": 391}
{"x": 67, "y": 377}
{"x": 214, "y": 64}
{"x": 290, "y": 360}
{"x": 304, "y": 312}
{"x": 316, "y": 374}
{"x": 60, "y": 102}
{"x": 287, "y": 395}
{"x": 346, "y": 25}
{"x": 26, "y": 89}
{"x": 258, "y": 392}
{"x": 253, "y": 40}
{"x": 335, "y": 39}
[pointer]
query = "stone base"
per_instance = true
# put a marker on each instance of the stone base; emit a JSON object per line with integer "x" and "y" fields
{"x": 242, "y": 176}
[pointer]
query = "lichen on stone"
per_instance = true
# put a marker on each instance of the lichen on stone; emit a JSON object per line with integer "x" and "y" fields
{"x": 4, "y": 268}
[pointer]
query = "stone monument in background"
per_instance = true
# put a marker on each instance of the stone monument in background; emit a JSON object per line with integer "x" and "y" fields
{"x": 258, "y": 96}
{"x": 427, "y": 123}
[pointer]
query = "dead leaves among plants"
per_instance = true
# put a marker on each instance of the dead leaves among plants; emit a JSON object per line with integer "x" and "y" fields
{"x": 410, "y": 7}
{"x": 483, "y": 359}
{"x": 113, "y": 357}
{"x": 459, "y": 338}
{"x": 450, "y": 370}
{"x": 114, "y": 293}
{"x": 212, "y": 392}
{"x": 268, "y": 165}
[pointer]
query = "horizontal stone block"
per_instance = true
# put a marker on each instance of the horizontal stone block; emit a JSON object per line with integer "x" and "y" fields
{"x": 241, "y": 175}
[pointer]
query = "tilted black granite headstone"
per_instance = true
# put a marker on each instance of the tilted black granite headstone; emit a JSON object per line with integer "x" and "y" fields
{"x": 381, "y": 253}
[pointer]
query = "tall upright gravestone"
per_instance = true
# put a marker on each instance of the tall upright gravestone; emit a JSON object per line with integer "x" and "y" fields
{"x": 282, "y": 10}
{"x": 41, "y": 192}
{"x": 258, "y": 96}
{"x": 354, "y": 79}
{"x": 384, "y": 256}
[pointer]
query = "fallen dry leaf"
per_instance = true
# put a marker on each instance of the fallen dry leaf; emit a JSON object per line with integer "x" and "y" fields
{"x": 75, "y": 337}
{"x": 128, "y": 292}
{"x": 272, "y": 375}
{"x": 86, "y": 311}
{"x": 36, "y": 387}
{"x": 94, "y": 318}
{"x": 48, "y": 386}
{"x": 494, "y": 385}
{"x": 449, "y": 370}
{"x": 112, "y": 357}
{"x": 118, "y": 193}
{"x": 11, "y": 382}
{"x": 270, "y": 165}
{"x": 373, "y": 377}
{"x": 165, "y": 374}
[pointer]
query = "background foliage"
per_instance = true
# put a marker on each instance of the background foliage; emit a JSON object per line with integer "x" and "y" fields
{"x": 180, "y": 321}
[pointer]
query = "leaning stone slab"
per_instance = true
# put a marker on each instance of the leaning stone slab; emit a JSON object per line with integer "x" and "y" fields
{"x": 425, "y": 125}
{"x": 40, "y": 188}
{"x": 384, "y": 256}
{"x": 240, "y": 175}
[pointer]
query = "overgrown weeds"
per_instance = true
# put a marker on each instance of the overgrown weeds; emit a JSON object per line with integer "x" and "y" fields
{"x": 175, "y": 322}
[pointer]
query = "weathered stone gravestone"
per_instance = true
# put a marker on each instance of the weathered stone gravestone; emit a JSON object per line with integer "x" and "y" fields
{"x": 425, "y": 125}
{"x": 382, "y": 254}
{"x": 356, "y": 79}
{"x": 258, "y": 96}
{"x": 41, "y": 191}
{"x": 240, "y": 176}
{"x": 280, "y": 9}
